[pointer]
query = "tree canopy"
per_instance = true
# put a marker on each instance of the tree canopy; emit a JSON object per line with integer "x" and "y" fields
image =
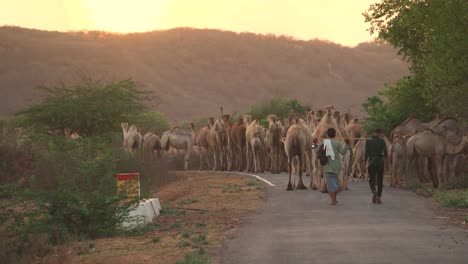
{"x": 90, "y": 107}
{"x": 431, "y": 36}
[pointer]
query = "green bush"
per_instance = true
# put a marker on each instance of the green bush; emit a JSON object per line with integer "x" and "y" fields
{"x": 281, "y": 107}
{"x": 154, "y": 122}
{"x": 195, "y": 257}
{"x": 456, "y": 198}
{"x": 82, "y": 202}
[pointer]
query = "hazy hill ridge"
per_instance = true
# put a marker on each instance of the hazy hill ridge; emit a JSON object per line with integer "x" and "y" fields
{"x": 194, "y": 71}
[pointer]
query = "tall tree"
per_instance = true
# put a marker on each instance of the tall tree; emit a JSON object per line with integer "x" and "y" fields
{"x": 431, "y": 36}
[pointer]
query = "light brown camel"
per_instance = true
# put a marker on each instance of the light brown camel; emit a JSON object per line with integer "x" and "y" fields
{"x": 180, "y": 139}
{"x": 227, "y": 123}
{"x": 218, "y": 144}
{"x": 237, "y": 141}
{"x": 358, "y": 169}
{"x": 132, "y": 138}
{"x": 409, "y": 127}
{"x": 320, "y": 133}
{"x": 347, "y": 118}
{"x": 295, "y": 145}
{"x": 452, "y": 131}
{"x": 257, "y": 151}
{"x": 435, "y": 147}
{"x": 151, "y": 144}
{"x": 253, "y": 130}
{"x": 396, "y": 159}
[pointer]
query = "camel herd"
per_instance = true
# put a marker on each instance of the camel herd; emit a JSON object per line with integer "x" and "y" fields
{"x": 288, "y": 145}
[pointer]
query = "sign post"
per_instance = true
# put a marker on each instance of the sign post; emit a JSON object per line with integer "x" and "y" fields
{"x": 130, "y": 182}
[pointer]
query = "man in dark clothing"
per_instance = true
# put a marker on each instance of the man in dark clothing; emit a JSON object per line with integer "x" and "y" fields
{"x": 376, "y": 151}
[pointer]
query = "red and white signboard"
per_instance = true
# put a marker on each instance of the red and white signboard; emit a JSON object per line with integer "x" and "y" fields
{"x": 130, "y": 182}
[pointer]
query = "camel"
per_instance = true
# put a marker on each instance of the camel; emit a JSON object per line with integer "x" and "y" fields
{"x": 358, "y": 169}
{"x": 347, "y": 118}
{"x": 355, "y": 131}
{"x": 328, "y": 121}
{"x": 218, "y": 144}
{"x": 203, "y": 140}
{"x": 257, "y": 151}
{"x": 69, "y": 135}
{"x": 396, "y": 153}
{"x": 227, "y": 123}
{"x": 409, "y": 127}
{"x": 312, "y": 120}
{"x": 295, "y": 145}
{"x": 273, "y": 141}
{"x": 152, "y": 143}
{"x": 340, "y": 123}
{"x": 253, "y": 130}
{"x": 237, "y": 141}
{"x": 132, "y": 137}
{"x": 452, "y": 131}
{"x": 179, "y": 139}
{"x": 435, "y": 147}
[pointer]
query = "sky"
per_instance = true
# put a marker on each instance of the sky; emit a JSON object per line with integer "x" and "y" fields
{"x": 335, "y": 20}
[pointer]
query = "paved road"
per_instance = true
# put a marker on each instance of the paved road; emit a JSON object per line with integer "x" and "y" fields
{"x": 301, "y": 227}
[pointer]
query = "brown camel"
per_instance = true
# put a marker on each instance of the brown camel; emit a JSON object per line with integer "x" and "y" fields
{"x": 152, "y": 143}
{"x": 237, "y": 141}
{"x": 435, "y": 147}
{"x": 295, "y": 146}
{"x": 180, "y": 139}
{"x": 273, "y": 140}
{"x": 354, "y": 131}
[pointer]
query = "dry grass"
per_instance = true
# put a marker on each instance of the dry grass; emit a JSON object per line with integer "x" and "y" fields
{"x": 197, "y": 213}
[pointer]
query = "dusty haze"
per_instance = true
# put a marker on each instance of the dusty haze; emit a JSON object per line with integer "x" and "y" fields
{"x": 194, "y": 71}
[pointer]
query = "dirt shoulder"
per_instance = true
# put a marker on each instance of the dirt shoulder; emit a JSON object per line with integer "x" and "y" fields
{"x": 199, "y": 211}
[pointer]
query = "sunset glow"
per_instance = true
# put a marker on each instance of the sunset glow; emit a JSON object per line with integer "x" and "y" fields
{"x": 336, "y": 20}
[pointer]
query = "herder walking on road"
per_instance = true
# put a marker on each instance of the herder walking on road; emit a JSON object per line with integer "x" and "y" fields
{"x": 376, "y": 151}
{"x": 333, "y": 167}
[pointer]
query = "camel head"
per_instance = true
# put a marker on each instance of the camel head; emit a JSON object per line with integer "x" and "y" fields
{"x": 272, "y": 118}
{"x": 247, "y": 119}
{"x": 191, "y": 126}
{"x": 226, "y": 118}
{"x": 124, "y": 127}
{"x": 211, "y": 122}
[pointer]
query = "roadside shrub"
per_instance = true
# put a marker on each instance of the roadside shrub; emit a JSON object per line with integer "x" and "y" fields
{"x": 83, "y": 202}
{"x": 195, "y": 257}
{"x": 455, "y": 198}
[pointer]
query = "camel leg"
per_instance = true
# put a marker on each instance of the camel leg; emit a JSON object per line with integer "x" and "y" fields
{"x": 300, "y": 185}
{"x": 440, "y": 168}
{"x": 289, "y": 188}
{"x": 186, "y": 158}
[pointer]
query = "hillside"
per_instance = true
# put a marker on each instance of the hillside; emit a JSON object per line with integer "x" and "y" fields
{"x": 195, "y": 71}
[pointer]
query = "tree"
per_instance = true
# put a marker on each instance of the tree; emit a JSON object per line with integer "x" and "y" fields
{"x": 90, "y": 108}
{"x": 431, "y": 36}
